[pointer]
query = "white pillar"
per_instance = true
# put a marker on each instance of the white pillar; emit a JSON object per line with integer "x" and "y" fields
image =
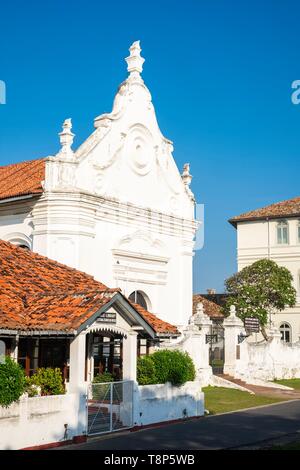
{"x": 233, "y": 327}
{"x": 203, "y": 322}
{"x": 130, "y": 356}
{"x": 275, "y": 347}
{"x": 15, "y": 348}
{"x": 77, "y": 363}
{"x": 77, "y": 384}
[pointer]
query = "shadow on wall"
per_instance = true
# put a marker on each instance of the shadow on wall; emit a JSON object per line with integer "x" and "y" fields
{"x": 40, "y": 421}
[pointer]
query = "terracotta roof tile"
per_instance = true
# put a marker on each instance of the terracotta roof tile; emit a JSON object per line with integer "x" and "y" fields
{"x": 35, "y": 294}
{"x": 287, "y": 208}
{"x": 157, "y": 324}
{"x": 21, "y": 179}
{"x": 211, "y": 309}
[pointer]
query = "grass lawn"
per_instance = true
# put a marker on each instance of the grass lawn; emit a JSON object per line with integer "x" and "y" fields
{"x": 294, "y": 383}
{"x": 220, "y": 399}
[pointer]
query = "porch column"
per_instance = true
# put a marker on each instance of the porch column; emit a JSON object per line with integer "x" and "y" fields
{"x": 130, "y": 356}
{"x": 15, "y": 348}
{"x": 77, "y": 363}
{"x": 233, "y": 326}
{"x": 77, "y": 384}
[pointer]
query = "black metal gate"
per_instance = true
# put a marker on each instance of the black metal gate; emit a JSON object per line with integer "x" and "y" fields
{"x": 216, "y": 347}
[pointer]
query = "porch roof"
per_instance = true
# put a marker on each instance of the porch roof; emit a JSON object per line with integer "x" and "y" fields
{"x": 39, "y": 294}
{"x": 160, "y": 327}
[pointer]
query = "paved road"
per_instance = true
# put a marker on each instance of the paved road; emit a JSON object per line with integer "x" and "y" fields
{"x": 215, "y": 432}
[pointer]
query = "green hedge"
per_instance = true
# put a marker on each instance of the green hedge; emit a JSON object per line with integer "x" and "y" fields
{"x": 164, "y": 366}
{"x": 146, "y": 371}
{"x": 12, "y": 382}
{"x": 104, "y": 377}
{"x": 102, "y": 392}
{"x": 49, "y": 380}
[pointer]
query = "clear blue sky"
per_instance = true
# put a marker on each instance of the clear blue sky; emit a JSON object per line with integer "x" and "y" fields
{"x": 220, "y": 74}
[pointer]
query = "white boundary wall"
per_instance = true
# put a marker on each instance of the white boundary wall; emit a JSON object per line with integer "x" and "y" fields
{"x": 41, "y": 420}
{"x": 165, "y": 402}
{"x": 268, "y": 360}
{"x": 257, "y": 363}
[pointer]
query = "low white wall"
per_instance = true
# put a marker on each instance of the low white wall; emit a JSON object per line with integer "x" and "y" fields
{"x": 41, "y": 420}
{"x": 268, "y": 360}
{"x": 165, "y": 402}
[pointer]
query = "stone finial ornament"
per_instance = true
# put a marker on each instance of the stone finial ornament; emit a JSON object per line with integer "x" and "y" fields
{"x": 66, "y": 138}
{"x": 187, "y": 179}
{"x": 186, "y": 176}
{"x": 135, "y": 61}
{"x": 201, "y": 319}
{"x": 232, "y": 310}
{"x": 200, "y": 309}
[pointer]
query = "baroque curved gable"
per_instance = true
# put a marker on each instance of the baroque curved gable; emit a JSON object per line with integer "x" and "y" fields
{"x": 127, "y": 157}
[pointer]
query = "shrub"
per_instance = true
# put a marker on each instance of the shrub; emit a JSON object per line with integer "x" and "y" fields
{"x": 31, "y": 389}
{"x": 174, "y": 366}
{"x": 146, "y": 371}
{"x": 12, "y": 382}
{"x": 102, "y": 392}
{"x": 104, "y": 377}
{"x": 164, "y": 366}
{"x": 49, "y": 380}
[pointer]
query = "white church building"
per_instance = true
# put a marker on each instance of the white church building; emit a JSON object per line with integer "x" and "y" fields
{"x": 116, "y": 208}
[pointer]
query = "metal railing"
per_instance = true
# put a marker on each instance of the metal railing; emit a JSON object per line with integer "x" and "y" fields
{"x": 109, "y": 406}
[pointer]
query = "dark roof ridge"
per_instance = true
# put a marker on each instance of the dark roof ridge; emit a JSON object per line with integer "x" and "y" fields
{"x": 285, "y": 208}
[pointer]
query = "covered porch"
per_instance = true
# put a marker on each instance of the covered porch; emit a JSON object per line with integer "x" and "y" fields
{"x": 110, "y": 342}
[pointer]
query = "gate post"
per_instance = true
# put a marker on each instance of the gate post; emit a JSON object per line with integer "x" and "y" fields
{"x": 233, "y": 326}
{"x": 130, "y": 356}
{"x": 204, "y": 323}
{"x": 77, "y": 378}
{"x": 77, "y": 363}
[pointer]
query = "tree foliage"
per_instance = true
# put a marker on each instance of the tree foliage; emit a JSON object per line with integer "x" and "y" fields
{"x": 261, "y": 289}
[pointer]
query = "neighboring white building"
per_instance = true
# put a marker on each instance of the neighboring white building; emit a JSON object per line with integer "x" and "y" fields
{"x": 116, "y": 208}
{"x": 274, "y": 232}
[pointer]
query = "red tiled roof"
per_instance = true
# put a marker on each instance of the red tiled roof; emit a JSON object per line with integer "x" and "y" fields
{"x": 157, "y": 324}
{"x": 287, "y": 208}
{"x": 35, "y": 294}
{"x": 21, "y": 179}
{"x": 211, "y": 309}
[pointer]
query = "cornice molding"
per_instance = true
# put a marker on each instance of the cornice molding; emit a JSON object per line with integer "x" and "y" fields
{"x": 101, "y": 209}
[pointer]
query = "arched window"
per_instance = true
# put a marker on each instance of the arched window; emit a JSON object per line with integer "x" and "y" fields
{"x": 138, "y": 298}
{"x": 286, "y": 332}
{"x": 282, "y": 232}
